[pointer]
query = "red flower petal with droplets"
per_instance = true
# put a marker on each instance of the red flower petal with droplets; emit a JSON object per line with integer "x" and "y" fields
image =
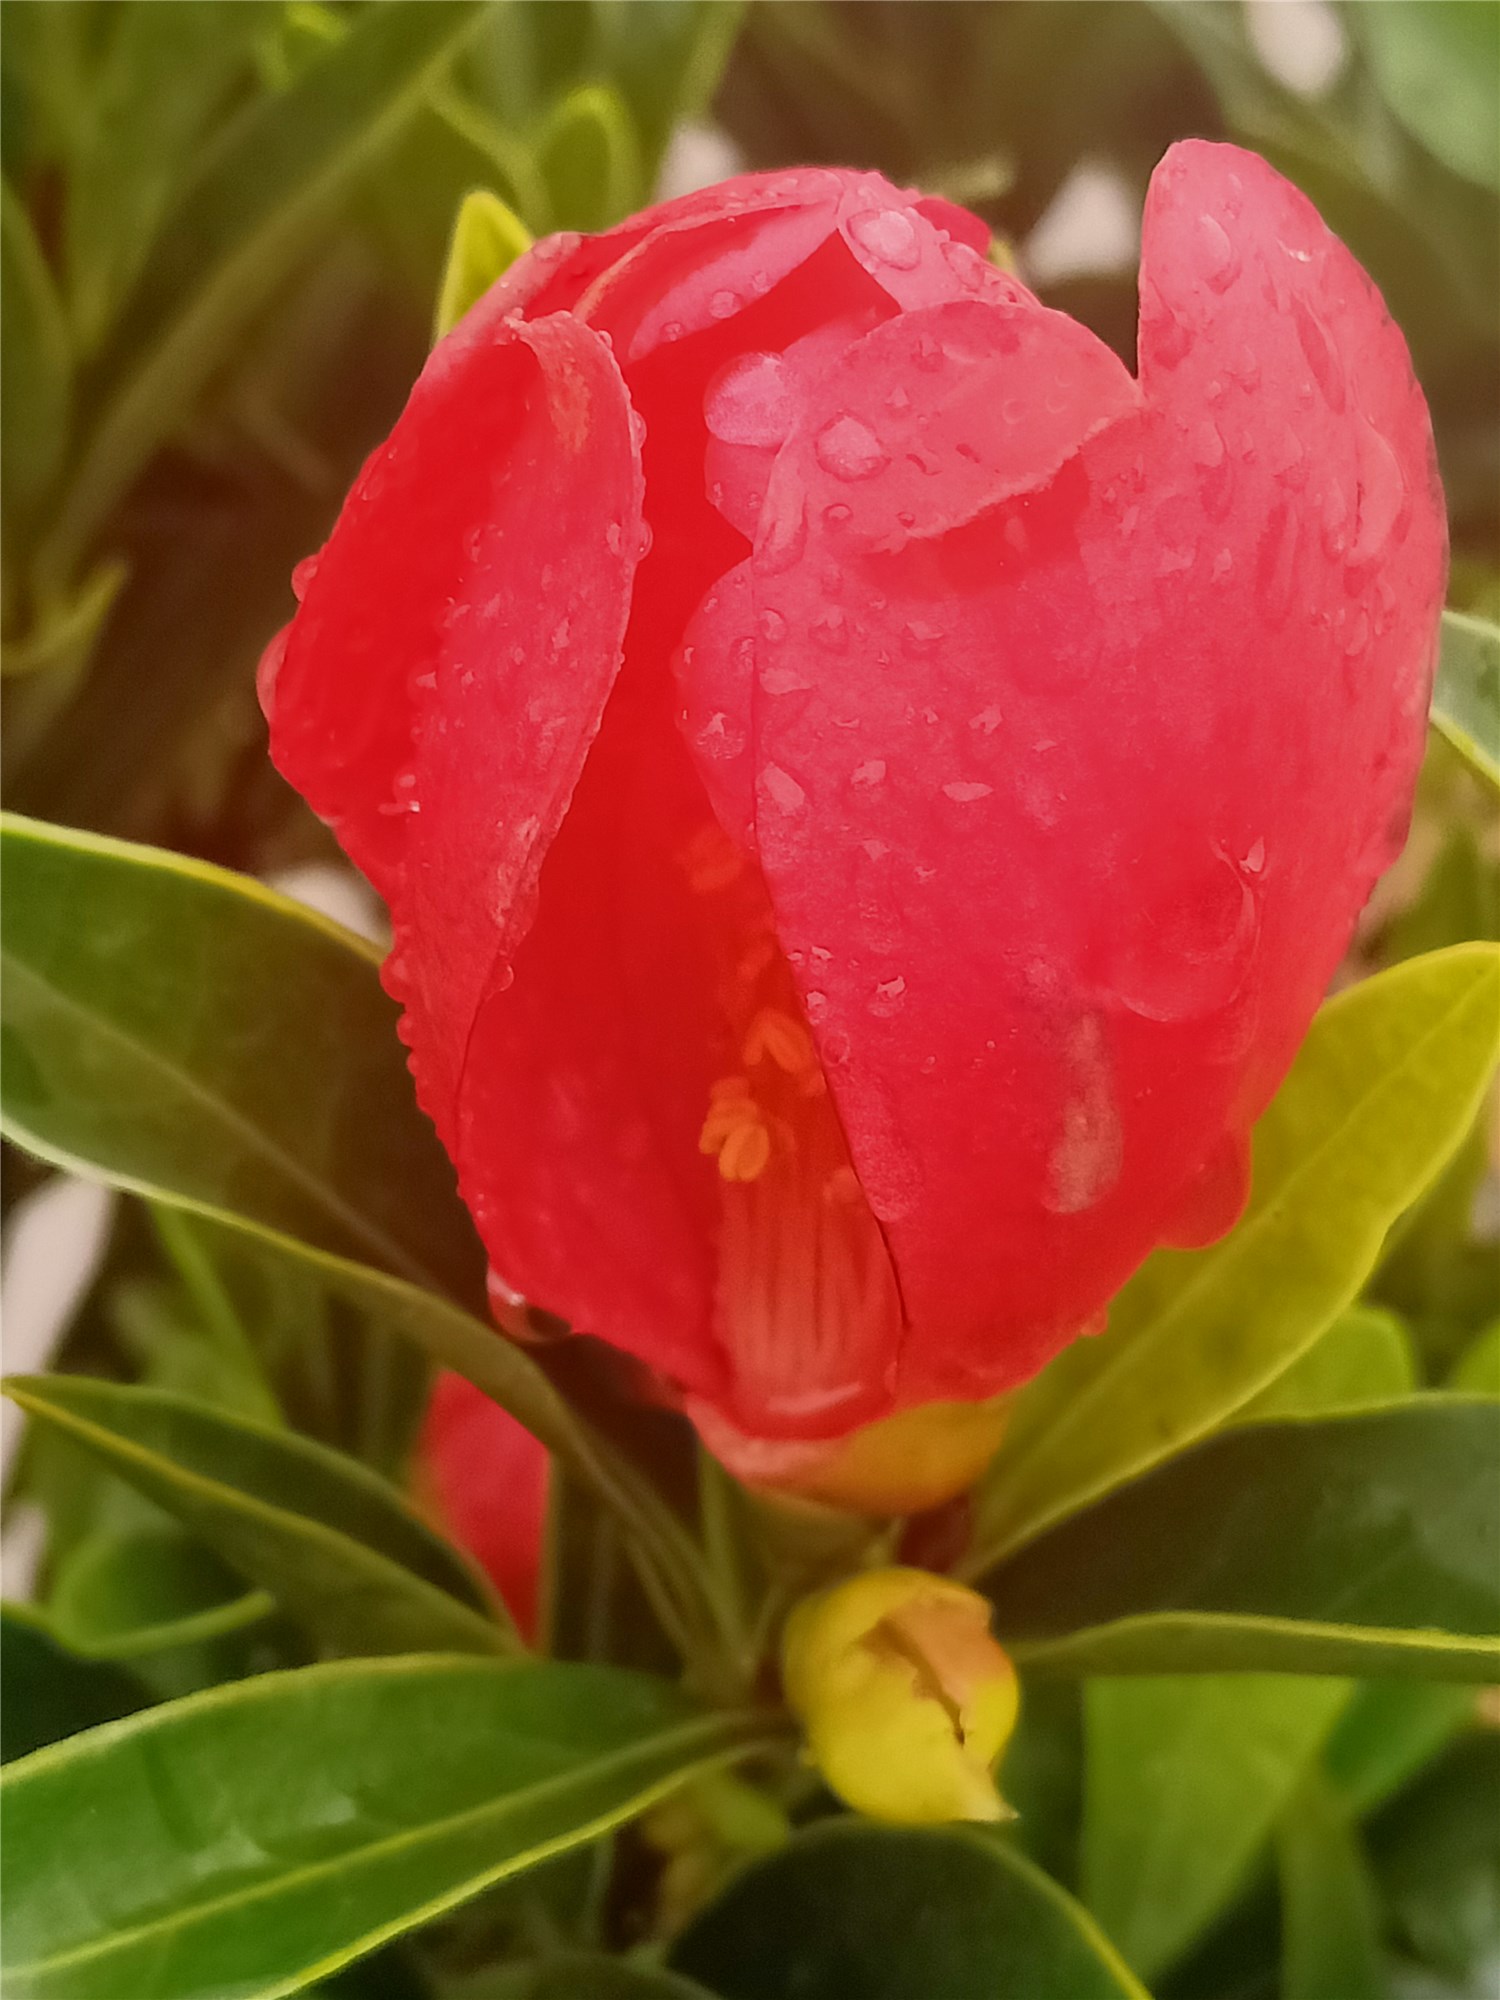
{"x": 870, "y": 794}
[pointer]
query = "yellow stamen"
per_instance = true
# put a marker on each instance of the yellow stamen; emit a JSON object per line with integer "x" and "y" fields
{"x": 775, "y": 1035}
{"x": 711, "y": 861}
{"x": 746, "y": 1153}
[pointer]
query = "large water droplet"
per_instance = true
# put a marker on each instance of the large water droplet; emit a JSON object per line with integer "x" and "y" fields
{"x": 830, "y": 630}
{"x": 966, "y": 792}
{"x": 751, "y": 401}
{"x": 1382, "y": 494}
{"x": 1218, "y": 257}
{"x": 887, "y": 998}
{"x": 782, "y": 789}
{"x": 723, "y": 304}
{"x": 772, "y": 627}
{"x": 1168, "y": 337}
{"x": 1189, "y": 954}
{"x": 1318, "y": 349}
{"x": 303, "y": 575}
{"x": 1276, "y": 562}
{"x": 720, "y": 739}
{"x": 889, "y": 236}
{"x": 849, "y": 449}
{"x": 1086, "y": 1159}
{"x": 784, "y": 680}
{"x": 872, "y": 773}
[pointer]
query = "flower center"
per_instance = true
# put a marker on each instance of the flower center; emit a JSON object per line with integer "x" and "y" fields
{"x": 808, "y": 1310}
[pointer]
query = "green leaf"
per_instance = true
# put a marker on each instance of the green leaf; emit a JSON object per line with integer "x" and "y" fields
{"x": 851, "y": 1909}
{"x": 47, "y": 1692}
{"x": 1364, "y": 1357}
{"x": 487, "y": 239}
{"x": 591, "y": 157}
{"x": 588, "y": 1977}
{"x": 1436, "y": 64}
{"x": 242, "y": 227}
{"x": 36, "y": 366}
{"x": 1330, "y": 1924}
{"x": 1478, "y": 1370}
{"x": 1184, "y": 1781}
{"x": 1435, "y": 1850}
{"x": 179, "y": 1027}
{"x": 1381, "y": 1094}
{"x": 1466, "y": 699}
{"x": 147, "y": 1590}
{"x": 1388, "y": 1732}
{"x": 256, "y": 1837}
{"x": 1357, "y": 1544}
{"x": 333, "y": 1542}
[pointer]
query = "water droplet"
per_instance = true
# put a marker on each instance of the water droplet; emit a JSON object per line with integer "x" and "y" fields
{"x": 782, "y": 789}
{"x": 723, "y": 305}
{"x": 926, "y": 353}
{"x": 1218, "y": 256}
{"x": 751, "y": 401}
{"x": 643, "y": 542}
{"x": 1318, "y": 349}
{"x": 987, "y": 721}
{"x": 1013, "y": 409}
{"x": 784, "y": 680}
{"x": 781, "y": 532}
{"x": 886, "y": 1000}
{"x": 838, "y": 515}
{"x": 965, "y": 264}
{"x": 876, "y": 850}
{"x": 1189, "y": 955}
{"x": 872, "y": 773}
{"x": 720, "y": 739}
{"x": 1255, "y": 860}
{"x": 898, "y": 400}
{"x": 1276, "y": 562}
{"x": 1169, "y": 339}
{"x": 1382, "y": 494}
{"x": 920, "y": 635}
{"x": 1086, "y": 1160}
{"x": 830, "y": 630}
{"x": 303, "y": 575}
{"x": 1357, "y": 638}
{"x": 1172, "y": 562}
{"x": 816, "y": 1004}
{"x": 889, "y": 235}
{"x": 614, "y": 538}
{"x": 1223, "y": 564}
{"x": 772, "y": 627}
{"x": 849, "y": 449}
{"x": 1288, "y": 461}
{"x": 965, "y": 793}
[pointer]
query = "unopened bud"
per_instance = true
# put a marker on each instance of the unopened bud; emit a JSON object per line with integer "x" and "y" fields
{"x": 905, "y": 1697}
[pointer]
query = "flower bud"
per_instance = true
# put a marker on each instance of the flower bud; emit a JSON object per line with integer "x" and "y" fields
{"x": 906, "y": 1699}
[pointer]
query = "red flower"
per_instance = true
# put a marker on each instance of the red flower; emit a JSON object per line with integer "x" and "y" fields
{"x": 870, "y": 793}
{"x": 485, "y": 1477}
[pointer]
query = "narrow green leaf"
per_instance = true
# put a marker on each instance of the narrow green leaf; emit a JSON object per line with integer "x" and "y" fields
{"x": 181, "y": 1027}
{"x": 851, "y": 1909}
{"x": 242, "y": 227}
{"x": 1184, "y": 1781}
{"x": 334, "y": 1543}
{"x": 1466, "y": 700}
{"x": 1386, "y": 1084}
{"x": 36, "y": 366}
{"x": 47, "y": 1692}
{"x": 487, "y": 239}
{"x": 1330, "y": 1924}
{"x": 1356, "y": 1544}
{"x": 254, "y": 1838}
{"x": 121, "y": 1596}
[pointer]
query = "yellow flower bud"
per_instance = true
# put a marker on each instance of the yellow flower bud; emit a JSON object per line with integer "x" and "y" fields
{"x": 905, "y": 1698}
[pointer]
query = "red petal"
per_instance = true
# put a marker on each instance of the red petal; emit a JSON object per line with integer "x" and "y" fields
{"x": 1079, "y": 820}
{"x": 489, "y": 1475}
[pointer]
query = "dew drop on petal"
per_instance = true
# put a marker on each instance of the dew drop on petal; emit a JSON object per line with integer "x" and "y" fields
{"x": 965, "y": 793}
{"x": 885, "y": 1001}
{"x": 1219, "y": 259}
{"x": 782, "y": 789}
{"x": 751, "y": 401}
{"x": 1086, "y": 1158}
{"x": 830, "y": 630}
{"x": 1318, "y": 349}
{"x": 772, "y": 626}
{"x": 303, "y": 575}
{"x": 723, "y": 305}
{"x": 849, "y": 449}
{"x": 889, "y": 236}
{"x": 1382, "y": 495}
{"x": 871, "y": 773}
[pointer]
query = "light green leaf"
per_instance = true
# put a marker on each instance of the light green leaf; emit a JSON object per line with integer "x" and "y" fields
{"x": 254, "y": 1838}
{"x": 1380, "y": 1096}
{"x": 1436, "y": 63}
{"x": 1357, "y": 1544}
{"x": 1330, "y": 1924}
{"x": 121, "y": 1596}
{"x": 591, "y": 157}
{"x": 1478, "y": 1369}
{"x": 848, "y": 1909}
{"x": 332, "y": 1541}
{"x": 1184, "y": 1781}
{"x": 36, "y": 366}
{"x": 1466, "y": 699}
{"x": 487, "y": 239}
{"x": 180, "y": 1027}
{"x": 241, "y": 229}
{"x": 1365, "y": 1357}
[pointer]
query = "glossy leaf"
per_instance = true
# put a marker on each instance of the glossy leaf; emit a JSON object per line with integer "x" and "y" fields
{"x": 1185, "y": 1780}
{"x": 1466, "y": 700}
{"x": 1357, "y": 1544}
{"x": 1330, "y": 1923}
{"x": 246, "y": 221}
{"x": 849, "y": 1909}
{"x": 487, "y": 239}
{"x": 255, "y": 1837}
{"x": 336, "y": 1545}
{"x": 47, "y": 1692}
{"x": 147, "y": 1590}
{"x": 1381, "y": 1094}
{"x": 178, "y": 1027}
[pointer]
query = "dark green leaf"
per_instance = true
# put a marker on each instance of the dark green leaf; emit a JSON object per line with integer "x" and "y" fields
{"x": 332, "y": 1541}
{"x": 849, "y": 1911}
{"x": 1330, "y": 1924}
{"x": 585, "y": 1978}
{"x": 1381, "y": 1094}
{"x": 1466, "y": 700}
{"x": 177, "y": 1027}
{"x": 1388, "y": 1732}
{"x": 1363, "y": 1544}
{"x": 148, "y": 1590}
{"x": 47, "y": 1693}
{"x": 258, "y": 1836}
{"x": 1185, "y": 1780}
{"x": 1435, "y": 1850}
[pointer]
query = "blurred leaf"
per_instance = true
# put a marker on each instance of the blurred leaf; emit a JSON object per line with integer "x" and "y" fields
{"x": 1466, "y": 699}
{"x": 35, "y": 368}
{"x": 585, "y": 1977}
{"x": 46, "y": 1692}
{"x": 1388, "y": 1732}
{"x": 173, "y": 1025}
{"x": 1358, "y": 1544}
{"x": 487, "y": 239}
{"x": 163, "y": 74}
{"x": 849, "y": 1909}
{"x": 64, "y": 630}
{"x": 333, "y": 1542}
{"x": 1364, "y": 1357}
{"x": 1437, "y": 61}
{"x": 1380, "y": 1095}
{"x": 1331, "y": 1941}
{"x": 1184, "y": 1781}
{"x": 118, "y": 1596}
{"x": 1041, "y": 1776}
{"x": 591, "y": 158}
{"x": 1435, "y": 1850}
{"x": 252, "y": 1838}
{"x": 240, "y": 229}
{"x": 1478, "y": 1370}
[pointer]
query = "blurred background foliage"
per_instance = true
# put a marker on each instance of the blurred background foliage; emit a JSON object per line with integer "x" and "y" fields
{"x": 225, "y": 224}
